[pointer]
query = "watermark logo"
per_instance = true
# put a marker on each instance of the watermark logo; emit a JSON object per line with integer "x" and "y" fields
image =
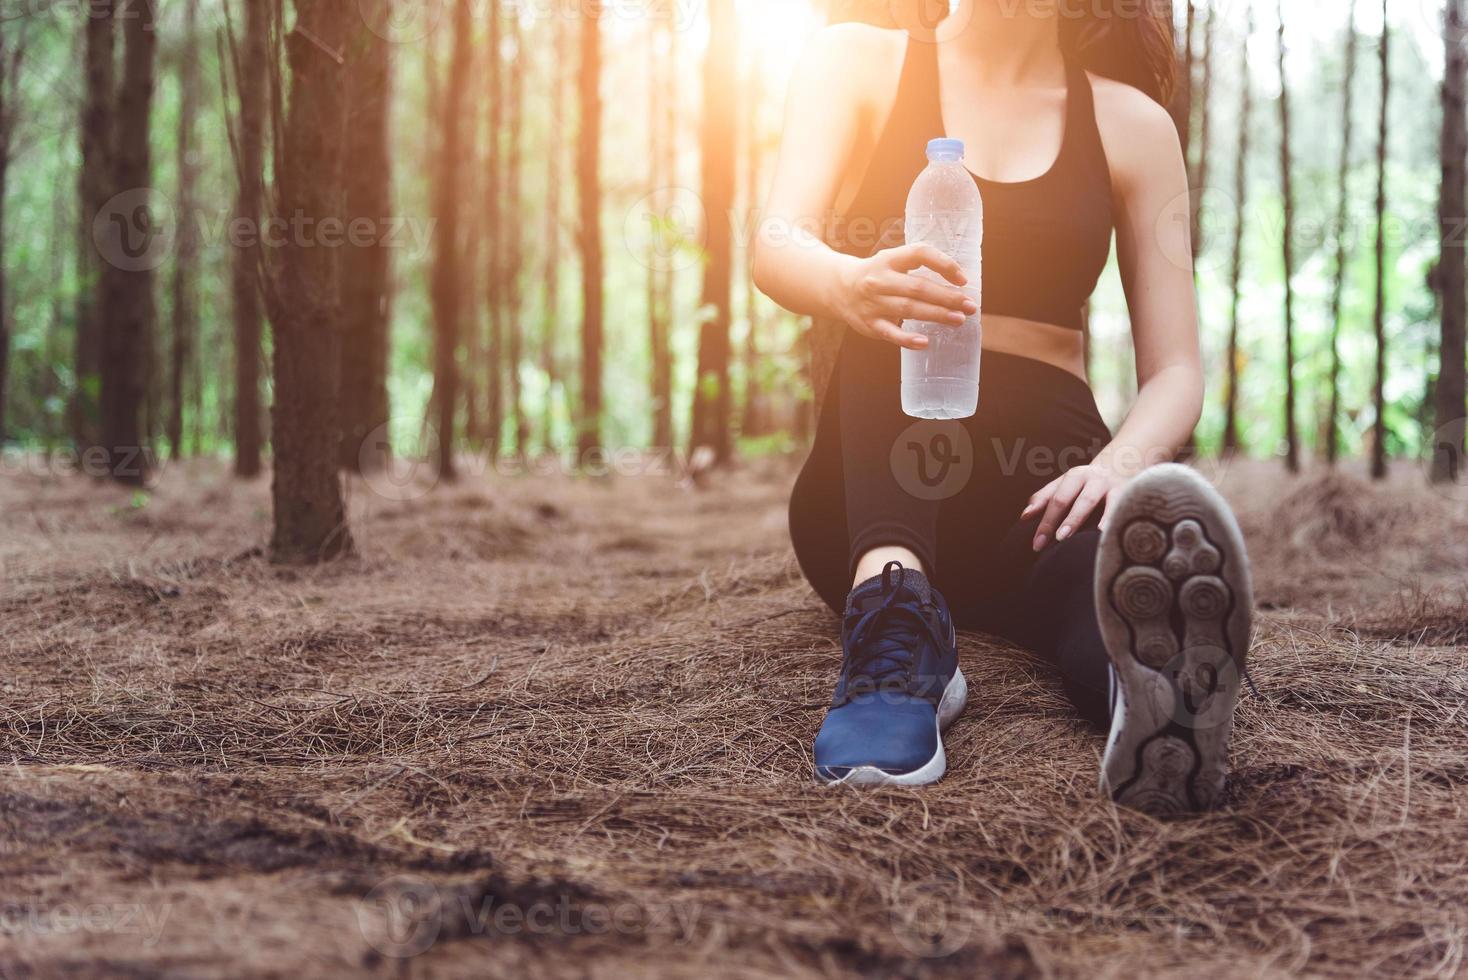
{"x": 401, "y": 916}
{"x": 134, "y": 230}
{"x": 661, "y": 228}
{"x": 1445, "y": 465}
{"x": 1441, "y": 20}
{"x": 927, "y": 917}
{"x": 401, "y": 21}
{"x": 933, "y": 459}
{"x": 407, "y": 474}
{"x": 1213, "y": 213}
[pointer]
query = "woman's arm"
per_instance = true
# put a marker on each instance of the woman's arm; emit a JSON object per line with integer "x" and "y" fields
{"x": 1154, "y": 252}
{"x": 826, "y": 115}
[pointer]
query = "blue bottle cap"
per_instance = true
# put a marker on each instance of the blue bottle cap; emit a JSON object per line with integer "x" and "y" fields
{"x": 944, "y": 149}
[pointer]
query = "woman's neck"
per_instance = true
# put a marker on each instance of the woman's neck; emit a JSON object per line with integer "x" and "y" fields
{"x": 1004, "y": 41}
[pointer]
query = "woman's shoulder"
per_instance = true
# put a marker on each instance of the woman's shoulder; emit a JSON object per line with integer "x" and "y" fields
{"x": 1137, "y": 132}
{"x": 1124, "y": 106}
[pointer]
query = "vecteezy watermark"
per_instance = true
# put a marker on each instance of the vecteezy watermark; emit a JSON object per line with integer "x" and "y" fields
{"x": 22, "y": 919}
{"x": 135, "y": 230}
{"x": 94, "y": 461}
{"x": 929, "y": 918}
{"x": 1438, "y": 18}
{"x": 403, "y": 916}
{"x": 401, "y": 21}
{"x": 1444, "y": 463}
{"x": 932, "y": 459}
{"x": 661, "y": 229}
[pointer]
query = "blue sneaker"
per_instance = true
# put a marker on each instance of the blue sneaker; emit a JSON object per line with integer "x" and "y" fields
{"x": 900, "y": 686}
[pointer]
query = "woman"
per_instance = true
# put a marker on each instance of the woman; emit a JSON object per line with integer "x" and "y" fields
{"x": 1028, "y": 520}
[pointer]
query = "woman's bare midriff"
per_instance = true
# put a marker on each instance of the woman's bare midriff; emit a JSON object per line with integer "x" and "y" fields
{"x": 1057, "y": 346}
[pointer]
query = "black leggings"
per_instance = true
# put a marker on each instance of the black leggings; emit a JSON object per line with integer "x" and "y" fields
{"x": 952, "y": 493}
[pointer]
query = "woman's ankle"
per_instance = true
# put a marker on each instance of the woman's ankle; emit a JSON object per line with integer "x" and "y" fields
{"x": 872, "y": 562}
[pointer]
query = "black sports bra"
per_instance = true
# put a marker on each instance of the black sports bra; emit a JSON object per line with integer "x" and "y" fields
{"x": 1046, "y": 240}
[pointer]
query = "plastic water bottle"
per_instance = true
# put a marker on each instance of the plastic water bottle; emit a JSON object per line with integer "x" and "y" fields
{"x": 944, "y": 210}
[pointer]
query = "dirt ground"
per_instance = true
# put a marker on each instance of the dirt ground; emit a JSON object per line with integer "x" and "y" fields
{"x": 553, "y": 726}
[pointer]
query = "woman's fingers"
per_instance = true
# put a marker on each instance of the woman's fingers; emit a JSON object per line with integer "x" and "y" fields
{"x": 913, "y": 287}
{"x": 1039, "y": 500}
{"x": 897, "y": 309}
{"x": 1091, "y": 495}
{"x": 1060, "y": 501}
{"x": 893, "y": 334}
{"x": 910, "y": 257}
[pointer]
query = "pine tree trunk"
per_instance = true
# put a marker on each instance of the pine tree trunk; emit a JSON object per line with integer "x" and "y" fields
{"x": 1182, "y": 96}
{"x": 93, "y": 185}
{"x": 185, "y": 267}
{"x": 4, "y": 297}
{"x": 514, "y": 240}
{"x": 551, "y": 273}
{"x": 1447, "y": 450}
{"x": 1378, "y": 430}
{"x": 588, "y": 184}
{"x": 1241, "y": 198}
{"x": 659, "y": 183}
{"x": 128, "y": 310}
{"x": 310, "y": 520}
{"x": 1338, "y": 286}
{"x": 11, "y": 51}
{"x": 366, "y": 260}
{"x": 1286, "y": 168}
{"x": 446, "y": 288}
{"x": 667, "y": 300}
{"x": 1205, "y": 126}
{"x": 711, "y": 395}
{"x": 754, "y": 422}
{"x": 494, "y": 298}
{"x": 252, "y": 84}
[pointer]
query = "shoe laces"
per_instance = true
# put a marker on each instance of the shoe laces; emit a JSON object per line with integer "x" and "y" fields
{"x": 885, "y": 639}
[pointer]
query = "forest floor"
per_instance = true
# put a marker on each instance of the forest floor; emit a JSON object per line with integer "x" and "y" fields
{"x": 557, "y": 726}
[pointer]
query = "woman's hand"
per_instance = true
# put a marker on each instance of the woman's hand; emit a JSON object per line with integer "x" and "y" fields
{"x": 876, "y": 294}
{"x": 1068, "y": 500}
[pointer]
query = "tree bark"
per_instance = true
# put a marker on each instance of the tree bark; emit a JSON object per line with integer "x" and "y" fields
{"x": 494, "y": 190}
{"x": 1241, "y": 197}
{"x": 95, "y": 177}
{"x": 304, "y": 297}
{"x": 128, "y": 310}
{"x": 1286, "y": 169}
{"x": 1182, "y": 97}
{"x": 251, "y": 83}
{"x": 185, "y": 313}
{"x": 367, "y": 287}
{"x": 754, "y": 422}
{"x": 588, "y": 177}
{"x": 1338, "y": 286}
{"x": 12, "y": 50}
{"x": 1378, "y": 428}
{"x": 514, "y": 239}
{"x": 660, "y": 89}
{"x": 1205, "y": 125}
{"x": 1447, "y": 450}
{"x": 712, "y": 401}
{"x": 446, "y": 288}
{"x": 551, "y": 273}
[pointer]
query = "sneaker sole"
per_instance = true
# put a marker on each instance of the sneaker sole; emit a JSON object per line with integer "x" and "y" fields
{"x": 1174, "y": 601}
{"x": 950, "y": 706}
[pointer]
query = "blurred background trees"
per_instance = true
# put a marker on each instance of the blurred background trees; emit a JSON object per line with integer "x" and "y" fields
{"x": 504, "y": 229}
